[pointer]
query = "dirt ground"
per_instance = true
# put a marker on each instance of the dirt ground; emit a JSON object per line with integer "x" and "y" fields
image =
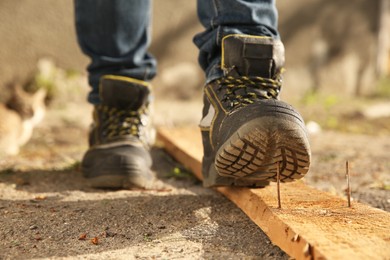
{"x": 47, "y": 210}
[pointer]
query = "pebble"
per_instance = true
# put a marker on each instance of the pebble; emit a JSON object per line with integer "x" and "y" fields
{"x": 33, "y": 227}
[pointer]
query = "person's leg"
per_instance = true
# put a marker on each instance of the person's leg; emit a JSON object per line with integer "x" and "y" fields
{"x": 115, "y": 35}
{"x": 225, "y": 17}
{"x": 247, "y": 132}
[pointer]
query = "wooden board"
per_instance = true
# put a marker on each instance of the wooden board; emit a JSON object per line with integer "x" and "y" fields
{"x": 310, "y": 225}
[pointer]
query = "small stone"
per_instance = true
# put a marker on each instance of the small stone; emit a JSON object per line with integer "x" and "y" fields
{"x": 95, "y": 240}
{"x": 83, "y": 236}
{"x": 33, "y": 227}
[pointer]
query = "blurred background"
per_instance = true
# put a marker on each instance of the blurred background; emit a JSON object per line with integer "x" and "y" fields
{"x": 335, "y": 51}
{"x": 337, "y": 75}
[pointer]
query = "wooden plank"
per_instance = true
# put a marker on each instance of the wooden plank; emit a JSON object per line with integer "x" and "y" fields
{"x": 310, "y": 225}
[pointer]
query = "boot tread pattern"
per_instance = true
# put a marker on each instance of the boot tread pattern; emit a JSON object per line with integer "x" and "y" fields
{"x": 255, "y": 156}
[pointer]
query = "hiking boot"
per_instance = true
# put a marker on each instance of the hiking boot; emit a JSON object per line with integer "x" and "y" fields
{"x": 119, "y": 138}
{"x": 246, "y": 130}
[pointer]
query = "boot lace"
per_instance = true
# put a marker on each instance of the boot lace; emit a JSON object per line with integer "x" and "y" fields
{"x": 242, "y": 91}
{"x": 116, "y": 122}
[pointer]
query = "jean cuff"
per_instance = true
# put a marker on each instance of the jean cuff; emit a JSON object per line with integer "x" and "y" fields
{"x": 214, "y": 72}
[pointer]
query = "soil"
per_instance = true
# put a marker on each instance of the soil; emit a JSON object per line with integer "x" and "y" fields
{"x": 47, "y": 209}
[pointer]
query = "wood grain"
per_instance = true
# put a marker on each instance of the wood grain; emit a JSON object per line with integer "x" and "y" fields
{"x": 310, "y": 225}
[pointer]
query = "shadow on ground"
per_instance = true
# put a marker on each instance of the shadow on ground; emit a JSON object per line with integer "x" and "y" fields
{"x": 46, "y": 212}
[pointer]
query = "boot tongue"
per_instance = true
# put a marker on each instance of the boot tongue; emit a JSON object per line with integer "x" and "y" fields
{"x": 252, "y": 56}
{"x": 123, "y": 93}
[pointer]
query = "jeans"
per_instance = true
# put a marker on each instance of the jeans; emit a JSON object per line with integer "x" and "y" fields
{"x": 115, "y": 34}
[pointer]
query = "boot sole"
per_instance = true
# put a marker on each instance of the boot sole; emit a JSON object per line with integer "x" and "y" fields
{"x": 213, "y": 179}
{"x": 116, "y": 168}
{"x": 107, "y": 182}
{"x": 127, "y": 179}
{"x": 256, "y": 149}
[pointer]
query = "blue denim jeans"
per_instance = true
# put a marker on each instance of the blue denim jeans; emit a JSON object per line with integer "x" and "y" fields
{"x": 115, "y": 34}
